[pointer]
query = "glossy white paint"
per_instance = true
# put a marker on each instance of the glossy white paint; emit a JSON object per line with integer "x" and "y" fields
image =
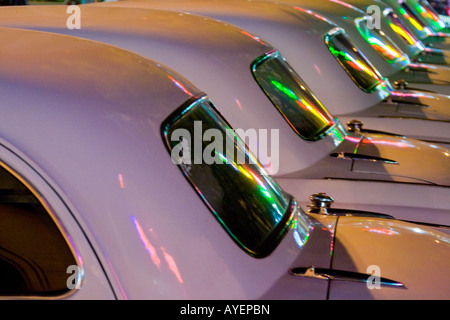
{"x": 357, "y": 255}
{"x": 423, "y": 32}
{"x": 411, "y": 49}
{"x": 345, "y": 15}
{"x": 428, "y": 16}
{"x": 280, "y": 25}
{"x": 209, "y": 49}
{"x": 94, "y": 152}
{"x": 415, "y": 51}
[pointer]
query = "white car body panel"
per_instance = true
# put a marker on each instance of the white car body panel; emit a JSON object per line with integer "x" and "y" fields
{"x": 325, "y": 77}
{"x": 387, "y": 235}
{"x": 94, "y": 150}
{"x": 344, "y": 15}
{"x": 242, "y": 102}
{"x": 422, "y": 32}
{"x": 415, "y": 51}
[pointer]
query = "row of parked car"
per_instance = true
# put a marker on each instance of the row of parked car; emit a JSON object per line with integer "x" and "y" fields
{"x": 353, "y": 201}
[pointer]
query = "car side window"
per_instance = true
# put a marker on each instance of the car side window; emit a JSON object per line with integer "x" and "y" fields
{"x": 34, "y": 253}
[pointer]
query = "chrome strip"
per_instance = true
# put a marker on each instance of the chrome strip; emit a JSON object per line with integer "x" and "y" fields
{"x": 340, "y": 275}
{"x": 424, "y": 183}
{"x": 354, "y": 157}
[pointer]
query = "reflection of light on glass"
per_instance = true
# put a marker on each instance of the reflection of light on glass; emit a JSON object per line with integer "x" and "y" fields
{"x": 148, "y": 246}
{"x": 298, "y": 238}
{"x": 378, "y": 40}
{"x": 337, "y": 135}
{"x": 399, "y": 28}
{"x": 302, "y": 103}
{"x": 355, "y": 64}
{"x": 413, "y": 20}
{"x": 179, "y": 85}
{"x": 172, "y": 265}
{"x": 380, "y": 231}
{"x": 430, "y": 16}
{"x": 383, "y": 48}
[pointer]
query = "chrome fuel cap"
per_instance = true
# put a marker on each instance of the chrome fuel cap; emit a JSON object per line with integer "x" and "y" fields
{"x": 320, "y": 201}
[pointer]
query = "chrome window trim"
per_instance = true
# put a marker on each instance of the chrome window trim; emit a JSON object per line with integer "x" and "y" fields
{"x": 380, "y": 84}
{"x": 292, "y": 210}
{"x": 272, "y": 54}
{"x": 417, "y": 42}
{"x": 404, "y": 58}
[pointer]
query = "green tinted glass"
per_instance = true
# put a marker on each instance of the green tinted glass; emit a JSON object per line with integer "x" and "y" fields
{"x": 399, "y": 28}
{"x": 251, "y": 207}
{"x": 379, "y": 42}
{"x": 290, "y": 95}
{"x": 352, "y": 60}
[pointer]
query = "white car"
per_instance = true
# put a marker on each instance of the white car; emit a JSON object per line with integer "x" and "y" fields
{"x": 93, "y": 206}
{"x": 401, "y": 34}
{"x": 425, "y": 13}
{"x": 381, "y": 51}
{"x": 349, "y": 91}
{"x": 257, "y": 91}
{"x": 419, "y": 28}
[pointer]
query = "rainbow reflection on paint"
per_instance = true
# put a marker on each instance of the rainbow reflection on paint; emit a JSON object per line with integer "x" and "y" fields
{"x": 180, "y": 85}
{"x": 318, "y": 16}
{"x": 383, "y": 231}
{"x": 398, "y": 143}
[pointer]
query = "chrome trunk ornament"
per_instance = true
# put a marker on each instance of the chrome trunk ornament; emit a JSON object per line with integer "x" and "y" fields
{"x": 321, "y": 202}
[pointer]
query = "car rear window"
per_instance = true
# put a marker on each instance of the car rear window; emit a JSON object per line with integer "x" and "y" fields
{"x": 378, "y": 40}
{"x": 428, "y": 15}
{"x": 413, "y": 18}
{"x": 249, "y": 205}
{"x": 352, "y": 60}
{"x": 290, "y": 95}
{"x": 399, "y": 28}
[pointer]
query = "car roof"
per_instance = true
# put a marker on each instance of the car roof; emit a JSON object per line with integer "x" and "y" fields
{"x": 86, "y": 117}
{"x": 344, "y": 15}
{"x": 412, "y": 50}
{"x": 297, "y": 33}
{"x": 82, "y": 113}
{"x": 215, "y": 56}
{"x": 396, "y": 6}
